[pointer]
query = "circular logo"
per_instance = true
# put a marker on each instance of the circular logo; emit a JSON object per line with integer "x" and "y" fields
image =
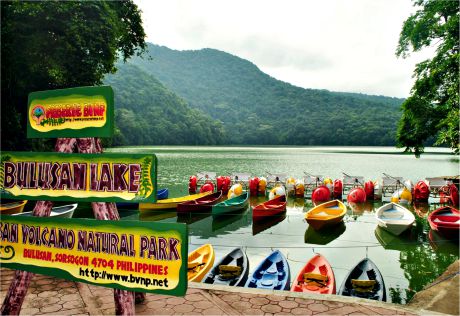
{"x": 38, "y": 114}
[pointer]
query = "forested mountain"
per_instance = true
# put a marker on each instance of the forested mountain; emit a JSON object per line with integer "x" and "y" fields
{"x": 146, "y": 113}
{"x": 256, "y": 108}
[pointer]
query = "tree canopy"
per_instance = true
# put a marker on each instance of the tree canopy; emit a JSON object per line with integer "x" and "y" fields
{"x": 432, "y": 110}
{"x": 59, "y": 44}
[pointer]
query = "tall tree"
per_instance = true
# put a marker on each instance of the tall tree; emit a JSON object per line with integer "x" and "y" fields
{"x": 432, "y": 110}
{"x": 59, "y": 44}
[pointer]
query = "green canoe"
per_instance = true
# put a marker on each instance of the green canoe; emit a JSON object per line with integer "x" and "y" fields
{"x": 231, "y": 205}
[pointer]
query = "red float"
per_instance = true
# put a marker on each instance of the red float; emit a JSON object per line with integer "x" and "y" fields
{"x": 207, "y": 187}
{"x": 369, "y": 189}
{"x": 454, "y": 195}
{"x": 338, "y": 185}
{"x": 192, "y": 183}
{"x": 421, "y": 191}
{"x": 254, "y": 186}
{"x": 357, "y": 195}
{"x": 321, "y": 194}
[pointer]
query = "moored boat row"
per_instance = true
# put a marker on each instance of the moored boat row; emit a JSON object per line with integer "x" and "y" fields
{"x": 273, "y": 273}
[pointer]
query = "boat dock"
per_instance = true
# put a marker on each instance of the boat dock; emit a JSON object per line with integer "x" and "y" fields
{"x": 51, "y": 296}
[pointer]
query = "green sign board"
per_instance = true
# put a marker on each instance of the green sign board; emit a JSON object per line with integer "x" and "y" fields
{"x": 108, "y": 177}
{"x": 74, "y": 112}
{"x": 129, "y": 255}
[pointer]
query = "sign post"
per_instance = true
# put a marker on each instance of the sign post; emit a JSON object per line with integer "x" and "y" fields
{"x": 85, "y": 112}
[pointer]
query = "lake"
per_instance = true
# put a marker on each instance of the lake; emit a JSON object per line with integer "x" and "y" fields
{"x": 407, "y": 262}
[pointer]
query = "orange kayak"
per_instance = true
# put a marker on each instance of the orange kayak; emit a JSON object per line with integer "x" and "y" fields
{"x": 315, "y": 277}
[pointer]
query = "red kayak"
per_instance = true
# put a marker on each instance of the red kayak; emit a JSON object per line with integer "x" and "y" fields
{"x": 315, "y": 277}
{"x": 203, "y": 204}
{"x": 446, "y": 221}
{"x": 270, "y": 208}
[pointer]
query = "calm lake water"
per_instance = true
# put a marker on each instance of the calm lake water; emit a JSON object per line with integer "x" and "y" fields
{"x": 407, "y": 262}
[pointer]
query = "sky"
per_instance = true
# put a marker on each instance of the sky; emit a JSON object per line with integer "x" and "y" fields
{"x": 338, "y": 45}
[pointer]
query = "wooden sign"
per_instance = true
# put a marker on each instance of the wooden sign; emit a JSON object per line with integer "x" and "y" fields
{"x": 129, "y": 255}
{"x": 107, "y": 177}
{"x": 75, "y": 112}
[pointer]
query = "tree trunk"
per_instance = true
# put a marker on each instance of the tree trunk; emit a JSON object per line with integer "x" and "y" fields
{"x": 18, "y": 288}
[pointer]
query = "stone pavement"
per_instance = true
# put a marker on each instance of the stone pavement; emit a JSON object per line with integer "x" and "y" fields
{"x": 51, "y": 296}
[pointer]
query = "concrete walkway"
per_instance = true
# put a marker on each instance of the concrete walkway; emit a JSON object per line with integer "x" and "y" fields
{"x": 51, "y": 296}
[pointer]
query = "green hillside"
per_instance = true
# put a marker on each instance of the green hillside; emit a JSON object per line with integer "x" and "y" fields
{"x": 147, "y": 113}
{"x": 258, "y": 109}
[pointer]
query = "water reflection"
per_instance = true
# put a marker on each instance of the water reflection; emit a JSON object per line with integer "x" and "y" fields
{"x": 421, "y": 209}
{"x": 154, "y": 216}
{"x": 325, "y": 236}
{"x": 442, "y": 245}
{"x": 191, "y": 217}
{"x": 265, "y": 223}
{"x": 360, "y": 208}
{"x": 227, "y": 223}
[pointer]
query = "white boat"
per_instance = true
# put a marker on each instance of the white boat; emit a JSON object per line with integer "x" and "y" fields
{"x": 394, "y": 218}
{"x": 65, "y": 211}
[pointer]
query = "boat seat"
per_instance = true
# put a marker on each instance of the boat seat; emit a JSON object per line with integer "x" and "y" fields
{"x": 445, "y": 218}
{"x": 363, "y": 286}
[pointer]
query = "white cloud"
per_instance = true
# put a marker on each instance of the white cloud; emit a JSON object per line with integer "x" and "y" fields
{"x": 334, "y": 44}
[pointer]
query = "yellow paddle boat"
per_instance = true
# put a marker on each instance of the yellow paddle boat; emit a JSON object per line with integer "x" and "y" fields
{"x": 326, "y": 214}
{"x": 200, "y": 261}
{"x": 170, "y": 203}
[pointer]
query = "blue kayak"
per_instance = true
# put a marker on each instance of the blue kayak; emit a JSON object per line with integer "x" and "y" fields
{"x": 272, "y": 273}
{"x": 161, "y": 195}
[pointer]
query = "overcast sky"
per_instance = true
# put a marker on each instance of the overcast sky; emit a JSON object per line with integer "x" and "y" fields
{"x": 339, "y": 45}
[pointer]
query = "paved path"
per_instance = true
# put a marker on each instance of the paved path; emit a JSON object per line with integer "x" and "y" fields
{"x": 51, "y": 296}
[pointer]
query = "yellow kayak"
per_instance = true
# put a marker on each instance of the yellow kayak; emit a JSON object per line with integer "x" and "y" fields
{"x": 171, "y": 203}
{"x": 200, "y": 261}
{"x": 12, "y": 207}
{"x": 326, "y": 214}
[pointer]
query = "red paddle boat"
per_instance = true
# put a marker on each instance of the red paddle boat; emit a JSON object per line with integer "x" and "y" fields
{"x": 315, "y": 277}
{"x": 270, "y": 208}
{"x": 446, "y": 221}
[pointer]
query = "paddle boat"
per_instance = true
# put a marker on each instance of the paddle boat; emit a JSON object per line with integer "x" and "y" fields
{"x": 315, "y": 277}
{"x": 395, "y": 218}
{"x": 234, "y": 204}
{"x": 232, "y": 269}
{"x": 364, "y": 281}
{"x": 201, "y": 204}
{"x": 171, "y": 203}
{"x": 446, "y": 221}
{"x": 272, "y": 273}
{"x": 200, "y": 262}
{"x": 270, "y": 208}
{"x": 326, "y": 214}
{"x": 65, "y": 211}
{"x": 8, "y": 207}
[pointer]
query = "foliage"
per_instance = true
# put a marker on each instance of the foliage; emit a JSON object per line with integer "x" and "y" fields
{"x": 59, "y": 44}
{"x": 149, "y": 114}
{"x": 258, "y": 109}
{"x": 432, "y": 110}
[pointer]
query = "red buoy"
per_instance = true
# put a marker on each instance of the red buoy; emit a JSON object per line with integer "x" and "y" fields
{"x": 454, "y": 195}
{"x": 207, "y": 187}
{"x": 338, "y": 189}
{"x": 192, "y": 185}
{"x": 369, "y": 189}
{"x": 357, "y": 195}
{"x": 321, "y": 194}
{"x": 254, "y": 186}
{"x": 421, "y": 191}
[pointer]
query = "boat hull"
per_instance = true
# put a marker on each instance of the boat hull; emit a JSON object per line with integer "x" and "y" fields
{"x": 394, "y": 218}
{"x": 365, "y": 270}
{"x": 236, "y": 257}
{"x": 318, "y": 265}
{"x": 326, "y": 214}
{"x": 203, "y": 256}
{"x": 446, "y": 221}
{"x": 269, "y": 208}
{"x": 65, "y": 211}
{"x": 170, "y": 203}
{"x": 233, "y": 205}
{"x": 203, "y": 204}
{"x": 272, "y": 273}
{"x": 12, "y": 207}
